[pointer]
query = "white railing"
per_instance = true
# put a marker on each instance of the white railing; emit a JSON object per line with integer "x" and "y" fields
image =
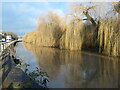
{"x": 4, "y": 45}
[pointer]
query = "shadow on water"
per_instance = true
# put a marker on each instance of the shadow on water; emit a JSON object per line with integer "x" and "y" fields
{"x": 75, "y": 69}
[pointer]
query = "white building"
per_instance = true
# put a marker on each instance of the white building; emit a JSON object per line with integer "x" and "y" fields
{"x": 8, "y": 38}
{"x": 1, "y": 33}
{"x": 3, "y": 39}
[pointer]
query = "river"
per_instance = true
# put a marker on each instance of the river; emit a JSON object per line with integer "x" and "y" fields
{"x": 70, "y": 69}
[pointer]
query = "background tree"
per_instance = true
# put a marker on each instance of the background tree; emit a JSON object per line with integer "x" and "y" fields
{"x": 14, "y": 36}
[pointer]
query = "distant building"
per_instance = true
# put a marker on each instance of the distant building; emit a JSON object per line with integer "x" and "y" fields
{"x": 2, "y": 36}
{"x": 8, "y": 38}
{"x": 3, "y": 40}
{"x": 20, "y": 38}
{"x": 1, "y": 33}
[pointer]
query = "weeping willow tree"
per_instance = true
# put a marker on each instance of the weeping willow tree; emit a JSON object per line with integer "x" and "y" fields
{"x": 92, "y": 25}
{"x": 109, "y": 36}
{"x": 48, "y": 32}
{"x": 80, "y": 32}
{"x": 109, "y": 33}
{"x": 99, "y": 29}
{"x": 72, "y": 38}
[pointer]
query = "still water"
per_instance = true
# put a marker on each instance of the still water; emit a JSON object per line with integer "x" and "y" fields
{"x": 70, "y": 69}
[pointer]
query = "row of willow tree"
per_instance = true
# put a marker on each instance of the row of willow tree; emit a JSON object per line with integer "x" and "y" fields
{"x": 87, "y": 26}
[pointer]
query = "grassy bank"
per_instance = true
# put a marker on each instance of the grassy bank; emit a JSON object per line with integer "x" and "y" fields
{"x": 100, "y": 33}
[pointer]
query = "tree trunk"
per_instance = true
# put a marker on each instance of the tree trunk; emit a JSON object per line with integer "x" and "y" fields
{"x": 89, "y": 17}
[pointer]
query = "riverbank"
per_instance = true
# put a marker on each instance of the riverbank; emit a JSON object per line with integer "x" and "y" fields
{"x": 89, "y": 51}
{"x": 12, "y": 76}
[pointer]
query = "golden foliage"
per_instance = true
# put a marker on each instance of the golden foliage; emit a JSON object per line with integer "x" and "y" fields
{"x": 72, "y": 38}
{"x": 48, "y": 31}
{"x": 77, "y": 34}
{"x": 109, "y": 37}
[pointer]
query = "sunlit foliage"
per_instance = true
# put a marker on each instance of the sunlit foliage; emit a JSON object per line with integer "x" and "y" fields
{"x": 87, "y": 25}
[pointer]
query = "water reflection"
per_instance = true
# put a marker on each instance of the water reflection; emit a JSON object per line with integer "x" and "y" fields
{"x": 76, "y": 69}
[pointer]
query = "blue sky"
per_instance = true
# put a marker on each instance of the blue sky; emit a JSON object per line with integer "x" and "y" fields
{"x": 21, "y": 17}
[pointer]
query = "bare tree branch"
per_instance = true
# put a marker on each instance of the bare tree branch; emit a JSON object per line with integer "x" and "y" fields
{"x": 91, "y": 7}
{"x": 117, "y": 7}
{"x": 89, "y": 17}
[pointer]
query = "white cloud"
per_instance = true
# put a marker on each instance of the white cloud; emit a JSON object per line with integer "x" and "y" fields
{"x": 32, "y": 21}
{"x": 27, "y": 7}
{"x": 23, "y": 8}
{"x": 60, "y": 12}
{"x": 23, "y": 16}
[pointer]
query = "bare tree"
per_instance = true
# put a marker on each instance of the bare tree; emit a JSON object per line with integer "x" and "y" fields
{"x": 117, "y": 7}
{"x": 83, "y": 10}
